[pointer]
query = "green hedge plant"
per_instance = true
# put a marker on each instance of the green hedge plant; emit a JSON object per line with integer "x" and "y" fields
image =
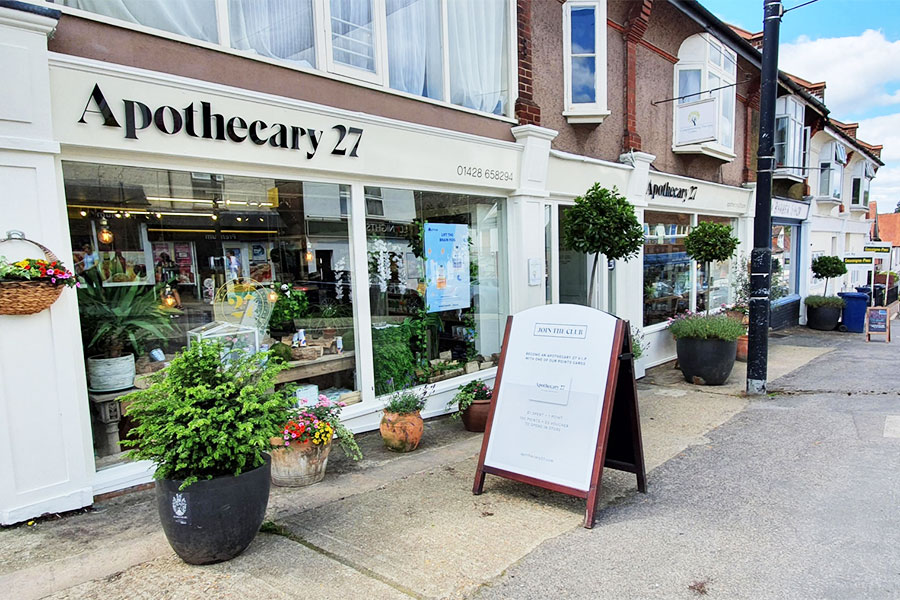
{"x": 824, "y": 302}
{"x": 706, "y": 327}
{"x": 203, "y": 417}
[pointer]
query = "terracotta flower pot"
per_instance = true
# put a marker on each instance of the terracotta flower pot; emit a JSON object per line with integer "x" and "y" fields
{"x": 475, "y": 417}
{"x": 300, "y": 464}
{"x": 742, "y": 348}
{"x": 402, "y": 433}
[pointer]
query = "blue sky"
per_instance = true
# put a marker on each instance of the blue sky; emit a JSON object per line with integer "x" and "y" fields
{"x": 854, "y": 46}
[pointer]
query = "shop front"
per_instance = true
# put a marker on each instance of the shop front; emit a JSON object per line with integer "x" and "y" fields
{"x": 790, "y": 261}
{"x": 373, "y": 253}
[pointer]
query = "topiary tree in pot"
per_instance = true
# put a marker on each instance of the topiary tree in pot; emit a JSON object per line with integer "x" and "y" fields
{"x": 602, "y": 222}
{"x": 824, "y": 312}
{"x": 706, "y": 344}
{"x": 206, "y": 422}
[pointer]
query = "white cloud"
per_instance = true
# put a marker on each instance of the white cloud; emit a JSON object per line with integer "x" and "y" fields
{"x": 858, "y": 70}
{"x": 884, "y": 130}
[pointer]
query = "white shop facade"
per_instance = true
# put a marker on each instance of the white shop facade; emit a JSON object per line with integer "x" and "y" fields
{"x": 148, "y": 179}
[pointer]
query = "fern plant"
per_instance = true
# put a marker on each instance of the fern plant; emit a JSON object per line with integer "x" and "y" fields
{"x": 203, "y": 417}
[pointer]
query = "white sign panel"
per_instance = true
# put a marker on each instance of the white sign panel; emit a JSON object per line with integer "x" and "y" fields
{"x": 446, "y": 267}
{"x": 877, "y": 249}
{"x": 696, "y": 122}
{"x": 859, "y": 261}
{"x": 787, "y": 209}
{"x": 550, "y": 401}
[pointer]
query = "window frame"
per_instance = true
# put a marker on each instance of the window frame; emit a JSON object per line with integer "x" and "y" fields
{"x": 795, "y": 144}
{"x": 859, "y": 197}
{"x": 584, "y": 112}
{"x": 690, "y": 60}
{"x": 832, "y": 169}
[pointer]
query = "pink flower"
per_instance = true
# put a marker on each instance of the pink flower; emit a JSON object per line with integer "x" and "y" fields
{"x": 286, "y": 443}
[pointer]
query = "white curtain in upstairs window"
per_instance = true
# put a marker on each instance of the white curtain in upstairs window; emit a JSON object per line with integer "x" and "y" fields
{"x": 274, "y": 28}
{"x": 414, "y": 46}
{"x": 477, "y": 32}
{"x": 192, "y": 18}
{"x": 353, "y": 33}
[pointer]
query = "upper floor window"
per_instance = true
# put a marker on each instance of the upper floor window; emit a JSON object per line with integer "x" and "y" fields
{"x": 584, "y": 59}
{"x": 863, "y": 173}
{"x": 791, "y": 137}
{"x": 705, "y": 88}
{"x": 451, "y": 50}
{"x": 831, "y": 170}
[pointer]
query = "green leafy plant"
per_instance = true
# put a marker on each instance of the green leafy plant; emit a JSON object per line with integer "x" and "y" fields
{"x": 824, "y": 302}
{"x": 392, "y": 357}
{"x": 468, "y": 394}
{"x": 705, "y": 327}
{"x": 318, "y": 424}
{"x": 114, "y": 319}
{"x": 638, "y": 345}
{"x": 408, "y": 400}
{"x": 710, "y": 242}
{"x": 203, "y": 417}
{"x": 602, "y": 222}
{"x": 291, "y": 304}
{"x": 826, "y": 267}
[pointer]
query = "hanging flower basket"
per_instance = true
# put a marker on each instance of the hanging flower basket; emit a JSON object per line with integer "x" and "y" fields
{"x": 31, "y": 285}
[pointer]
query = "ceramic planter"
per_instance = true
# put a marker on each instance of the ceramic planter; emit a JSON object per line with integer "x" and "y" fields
{"x": 300, "y": 464}
{"x": 705, "y": 362}
{"x": 742, "y": 344}
{"x": 213, "y": 520}
{"x": 402, "y": 432}
{"x": 110, "y": 374}
{"x": 823, "y": 318}
{"x": 475, "y": 417}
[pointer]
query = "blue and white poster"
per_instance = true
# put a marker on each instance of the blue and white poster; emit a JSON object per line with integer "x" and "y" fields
{"x": 446, "y": 267}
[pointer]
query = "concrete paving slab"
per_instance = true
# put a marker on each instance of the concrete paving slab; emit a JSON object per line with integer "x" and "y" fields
{"x": 273, "y": 567}
{"x": 892, "y": 426}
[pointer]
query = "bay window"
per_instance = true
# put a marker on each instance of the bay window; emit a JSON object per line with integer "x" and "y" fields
{"x": 705, "y": 88}
{"x": 863, "y": 173}
{"x": 789, "y": 137}
{"x": 831, "y": 170}
{"x": 456, "y": 51}
{"x": 584, "y": 51}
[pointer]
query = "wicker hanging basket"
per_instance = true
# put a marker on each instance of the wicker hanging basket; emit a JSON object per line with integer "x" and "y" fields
{"x": 28, "y": 297}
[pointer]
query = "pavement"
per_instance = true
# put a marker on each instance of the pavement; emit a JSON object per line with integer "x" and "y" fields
{"x": 788, "y": 496}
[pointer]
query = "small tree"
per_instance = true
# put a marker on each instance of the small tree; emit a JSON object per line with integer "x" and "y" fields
{"x": 602, "y": 222}
{"x": 826, "y": 267}
{"x": 709, "y": 242}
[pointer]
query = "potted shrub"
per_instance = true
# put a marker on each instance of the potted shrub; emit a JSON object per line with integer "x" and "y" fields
{"x": 115, "y": 322}
{"x": 824, "y": 312}
{"x": 638, "y": 347}
{"x": 473, "y": 403}
{"x": 300, "y": 453}
{"x": 707, "y": 344}
{"x": 31, "y": 285}
{"x": 207, "y": 423}
{"x": 290, "y": 304}
{"x": 402, "y": 426}
{"x": 602, "y": 222}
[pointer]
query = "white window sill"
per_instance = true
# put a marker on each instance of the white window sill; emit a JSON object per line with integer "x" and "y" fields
{"x": 786, "y": 174}
{"x": 858, "y": 208}
{"x": 575, "y": 117}
{"x": 827, "y": 200}
{"x": 708, "y": 148}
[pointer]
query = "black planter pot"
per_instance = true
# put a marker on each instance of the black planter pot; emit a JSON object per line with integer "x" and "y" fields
{"x": 823, "y": 318}
{"x": 707, "y": 362}
{"x": 214, "y": 520}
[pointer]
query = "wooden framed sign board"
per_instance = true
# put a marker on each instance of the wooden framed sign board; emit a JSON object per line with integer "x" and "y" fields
{"x": 564, "y": 404}
{"x": 878, "y": 322}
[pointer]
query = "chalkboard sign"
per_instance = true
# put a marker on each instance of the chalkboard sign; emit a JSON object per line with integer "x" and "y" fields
{"x": 878, "y": 321}
{"x": 564, "y": 403}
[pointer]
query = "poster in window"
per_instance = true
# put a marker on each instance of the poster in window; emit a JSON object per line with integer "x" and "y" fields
{"x": 446, "y": 267}
{"x": 696, "y": 122}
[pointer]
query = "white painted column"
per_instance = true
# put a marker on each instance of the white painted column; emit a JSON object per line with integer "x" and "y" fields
{"x": 630, "y": 275}
{"x": 804, "y": 266}
{"x": 46, "y": 455}
{"x": 526, "y": 217}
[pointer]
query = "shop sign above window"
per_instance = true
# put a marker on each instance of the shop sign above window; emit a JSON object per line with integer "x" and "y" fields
{"x": 697, "y": 122}
{"x": 203, "y": 122}
{"x": 667, "y": 191}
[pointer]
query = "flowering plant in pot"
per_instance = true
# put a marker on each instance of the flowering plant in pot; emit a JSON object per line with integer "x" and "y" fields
{"x": 32, "y": 284}
{"x": 206, "y": 423}
{"x": 473, "y": 403}
{"x": 402, "y": 425}
{"x": 300, "y": 453}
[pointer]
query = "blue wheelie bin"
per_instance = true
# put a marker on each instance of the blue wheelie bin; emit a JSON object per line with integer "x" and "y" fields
{"x": 854, "y": 315}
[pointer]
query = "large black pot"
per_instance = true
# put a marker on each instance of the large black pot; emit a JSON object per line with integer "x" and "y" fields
{"x": 706, "y": 362}
{"x": 216, "y": 519}
{"x": 823, "y": 318}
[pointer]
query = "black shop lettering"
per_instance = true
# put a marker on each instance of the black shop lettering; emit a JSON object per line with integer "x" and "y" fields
{"x": 667, "y": 191}
{"x": 204, "y": 123}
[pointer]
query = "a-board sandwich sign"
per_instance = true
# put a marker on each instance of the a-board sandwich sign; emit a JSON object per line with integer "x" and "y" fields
{"x": 878, "y": 321}
{"x": 564, "y": 403}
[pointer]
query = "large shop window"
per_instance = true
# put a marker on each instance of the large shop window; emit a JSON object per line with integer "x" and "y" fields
{"x": 403, "y": 44}
{"x": 667, "y": 269}
{"x": 705, "y": 87}
{"x": 784, "y": 260}
{"x": 584, "y": 49}
{"x": 437, "y": 284}
{"x": 171, "y": 256}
